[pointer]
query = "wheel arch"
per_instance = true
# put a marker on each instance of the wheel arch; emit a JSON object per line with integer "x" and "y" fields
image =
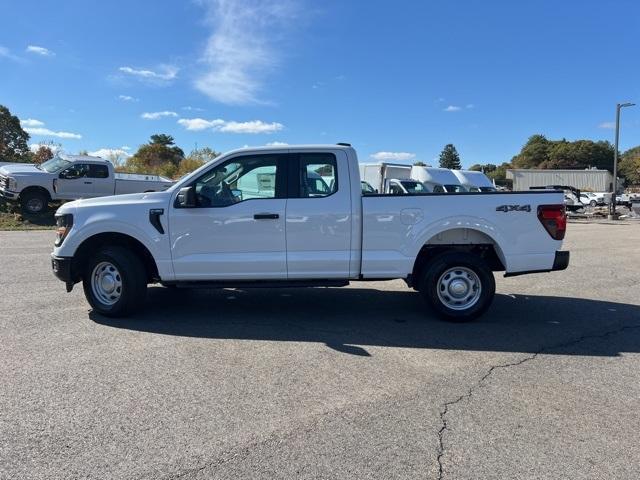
{"x": 462, "y": 239}
{"x": 33, "y": 189}
{"x": 99, "y": 240}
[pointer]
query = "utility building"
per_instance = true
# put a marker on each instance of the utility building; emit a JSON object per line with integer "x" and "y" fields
{"x": 588, "y": 180}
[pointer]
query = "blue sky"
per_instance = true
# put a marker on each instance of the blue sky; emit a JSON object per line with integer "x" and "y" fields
{"x": 397, "y": 79}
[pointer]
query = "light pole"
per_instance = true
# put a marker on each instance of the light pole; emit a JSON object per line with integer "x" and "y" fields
{"x": 612, "y": 205}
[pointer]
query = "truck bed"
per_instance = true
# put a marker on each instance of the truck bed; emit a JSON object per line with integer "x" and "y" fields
{"x": 395, "y": 227}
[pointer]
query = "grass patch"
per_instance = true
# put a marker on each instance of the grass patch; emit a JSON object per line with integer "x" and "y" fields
{"x": 12, "y": 218}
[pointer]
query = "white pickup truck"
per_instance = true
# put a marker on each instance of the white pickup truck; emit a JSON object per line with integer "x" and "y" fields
{"x": 269, "y": 217}
{"x": 70, "y": 177}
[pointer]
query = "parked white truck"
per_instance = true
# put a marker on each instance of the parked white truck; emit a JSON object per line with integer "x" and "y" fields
{"x": 70, "y": 177}
{"x": 294, "y": 231}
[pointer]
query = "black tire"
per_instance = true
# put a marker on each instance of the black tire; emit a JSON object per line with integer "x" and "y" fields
{"x": 593, "y": 203}
{"x": 445, "y": 262}
{"x": 34, "y": 202}
{"x": 129, "y": 272}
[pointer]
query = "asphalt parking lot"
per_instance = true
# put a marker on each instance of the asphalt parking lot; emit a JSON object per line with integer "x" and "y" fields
{"x": 358, "y": 382}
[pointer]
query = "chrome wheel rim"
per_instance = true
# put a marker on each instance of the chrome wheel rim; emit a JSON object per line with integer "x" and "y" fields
{"x": 459, "y": 288}
{"x": 34, "y": 205}
{"x": 106, "y": 283}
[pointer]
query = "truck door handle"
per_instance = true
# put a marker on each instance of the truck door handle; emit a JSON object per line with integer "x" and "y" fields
{"x": 266, "y": 216}
{"x": 88, "y": 183}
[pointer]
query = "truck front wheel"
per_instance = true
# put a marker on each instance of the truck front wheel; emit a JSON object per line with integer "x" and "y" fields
{"x": 34, "y": 201}
{"x": 459, "y": 286}
{"x": 114, "y": 282}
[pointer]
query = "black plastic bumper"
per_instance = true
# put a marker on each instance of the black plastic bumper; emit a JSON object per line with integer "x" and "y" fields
{"x": 560, "y": 262}
{"x": 62, "y": 268}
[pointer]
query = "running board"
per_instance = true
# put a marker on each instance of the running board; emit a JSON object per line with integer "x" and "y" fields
{"x": 259, "y": 284}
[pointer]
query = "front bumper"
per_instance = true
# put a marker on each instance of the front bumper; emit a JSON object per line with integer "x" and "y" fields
{"x": 8, "y": 194}
{"x": 63, "y": 269}
{"x": 560, "y": 262}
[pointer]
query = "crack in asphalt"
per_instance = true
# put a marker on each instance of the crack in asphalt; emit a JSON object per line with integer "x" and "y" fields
{"x": 479, "y": 384}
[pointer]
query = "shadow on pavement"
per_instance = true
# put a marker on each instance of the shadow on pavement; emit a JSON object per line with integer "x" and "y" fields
{"x": 349, "y": 319}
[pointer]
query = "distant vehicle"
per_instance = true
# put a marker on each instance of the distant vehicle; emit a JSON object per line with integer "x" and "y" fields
{"x": 571, "y": 195}
{"x": 407, "y": 187}
{"x": 438, "y": 176}
{"x": 367, "y": 189}
{"x": 379, "y": 175}
{"x": 71, "y": 177}
{"x": 474, "y": 181}
{"x": 593, "y": 198}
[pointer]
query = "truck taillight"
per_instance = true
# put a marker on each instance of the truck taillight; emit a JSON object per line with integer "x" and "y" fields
{"x": 554, "y": 220}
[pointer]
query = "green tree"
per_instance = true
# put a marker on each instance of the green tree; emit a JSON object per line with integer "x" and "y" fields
{"x": 449, "y": 158}
{"x": 160, "y": 156}
{"x": 539, "y": 152}
{"x": 13, "y": 139}
{"x": 629, "y": 165}
{"x": 533, "y": 153}
{"x": 419, "y": 164}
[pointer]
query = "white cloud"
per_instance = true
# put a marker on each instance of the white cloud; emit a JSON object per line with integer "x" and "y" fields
{"x": 55, "y": 147}
{"x": 254, "y": 126}
{"x": 31, "y": 122}
{"x": 241, "y": 51}
{"x": 470, "y": 106}
{"x": 277, "y": 144}
{"x": 192, "y": 109}
{"x": 452, "y": 108}
{"x": 45, "y": 52}
{"x": 607, "y": 125}
{"x": 128, "y": 98}
{"x": 393, "y": 156}
{"x": 124, "y": 147}
{"x": 158, "y": 115}
{"x": 163, "y": 75}
{"x": 6, "y": 53}
{"x": 37, "y": 128}
{"x": 219, "y": 125}
{"x": 110, "y": 153}
{"x": 197, "y": 124}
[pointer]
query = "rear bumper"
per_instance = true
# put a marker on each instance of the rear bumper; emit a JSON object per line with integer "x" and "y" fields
{"x": 560, "y": 262}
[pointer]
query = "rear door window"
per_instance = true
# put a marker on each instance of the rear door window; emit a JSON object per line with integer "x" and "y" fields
{"x": 318, "y": 173}
{"x": 98, "y": 171}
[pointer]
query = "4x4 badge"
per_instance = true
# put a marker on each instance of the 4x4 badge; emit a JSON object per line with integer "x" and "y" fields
{"x": 513, "y": 208}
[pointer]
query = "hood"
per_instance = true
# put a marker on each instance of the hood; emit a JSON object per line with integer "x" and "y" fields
{"x": 21, "y": 168}
{"x": 118, "y": 200}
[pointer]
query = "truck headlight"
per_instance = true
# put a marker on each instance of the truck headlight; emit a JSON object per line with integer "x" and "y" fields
{"x": 12, "y": 184}
{"x": 63, "y": 223}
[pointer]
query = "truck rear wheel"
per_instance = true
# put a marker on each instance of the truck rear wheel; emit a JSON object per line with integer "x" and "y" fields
{"x": 459, "y": 286}
{"x": 115, "y": 282}
{"x": 34, "y": 202}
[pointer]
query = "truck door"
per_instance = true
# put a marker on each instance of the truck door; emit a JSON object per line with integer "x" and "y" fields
{"x": 73, "y": 182}
{"x": 319, "y": 216}
{"x": 237, "y": 228}
{"x": 103, "y": 185}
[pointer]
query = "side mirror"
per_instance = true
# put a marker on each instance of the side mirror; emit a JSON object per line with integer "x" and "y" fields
{"x": 237, "y": 194}
{"x": 186, "y": 197}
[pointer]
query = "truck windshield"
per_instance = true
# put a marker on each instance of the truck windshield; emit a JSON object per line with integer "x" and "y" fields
{"x": 54, "y": 165}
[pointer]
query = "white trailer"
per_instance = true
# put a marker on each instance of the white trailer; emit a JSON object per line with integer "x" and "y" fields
{"x": 474, "y": 181}
{"x": 378, "y": 175}
{"x": 436, "y": 178}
